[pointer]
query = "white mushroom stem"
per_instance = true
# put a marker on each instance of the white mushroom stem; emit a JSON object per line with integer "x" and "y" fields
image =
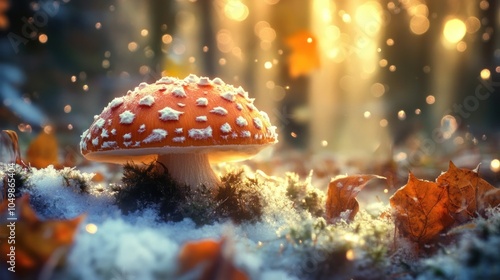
{"x": 190, "y": 169}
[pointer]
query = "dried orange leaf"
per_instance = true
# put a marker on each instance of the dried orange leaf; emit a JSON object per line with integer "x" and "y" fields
{"x": 43, "y": 151}
{"x": 342, "y": 192}
{"x": 215, "y": 256}
{"x": 304, "y": 55}
{"x": 468, "y": 194}
{"x": 35, "y": 241}
{"x": 420, "y": 210}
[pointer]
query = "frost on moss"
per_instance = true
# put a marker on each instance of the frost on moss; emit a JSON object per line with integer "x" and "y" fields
{"x": 343, "y": 250}
{"x": 474, "y": 255}
{"x": 304, "y": 195}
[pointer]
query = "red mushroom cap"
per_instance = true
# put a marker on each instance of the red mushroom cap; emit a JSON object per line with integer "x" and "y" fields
{"x": 193, "y": 115}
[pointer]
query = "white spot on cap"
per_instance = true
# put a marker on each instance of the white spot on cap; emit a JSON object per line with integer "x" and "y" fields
{"x": 245, "y": 134}
{"x": 179, "y": 139}
{"x": 169, "y": 114}
{"x": 219, "y": 111}
{"x": 257, "y": 122}
{"x": 229, "y": 96}
{"x": 137, "y": 144}
{"x": 127, "y": 136}
{"x": 85, "y": 134}
{"x": 165, "y": 80}
{"x": 179, "y": 92}
{"x": 100, "y": 123}
{"x": 201, "y": 118}
{"x": 202, "y": 133}
{"x": 218, "y": 81}
{"x": 110, "y": 121}
{"x": 182, "y": 105}
{"x": 128, "y": 143}
{"x": 109, "y": 144}
{"x": 147, "y": 100}
{"x": 95, "y": 141}
{"x": 251, "y": 106}
{"x": 143, "y": 85}
{"x": 113, "y": 131}
{"x": 202, "y": 101}
{"x": 178, "y": 130}
{"x": 142, "y": 128}
{"x": 234, "y": 135}
{"x": 241, "y": 121}
{"x": 242, "y": 92}
{"x": 191, "y": 78}
{"x": 115, "y": 102}
{"x": 156, "y": 135}
{"x": 104, "y": 133}
{"x": 239, "y": 107}
{"x": 204, "y": 81}
{"x": 127, "y": 117}
{"x": 265, "y": 116}
{"x": 225, "y": 128}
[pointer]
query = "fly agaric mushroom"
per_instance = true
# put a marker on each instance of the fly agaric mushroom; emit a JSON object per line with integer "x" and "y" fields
{"x": 183, "y": 125}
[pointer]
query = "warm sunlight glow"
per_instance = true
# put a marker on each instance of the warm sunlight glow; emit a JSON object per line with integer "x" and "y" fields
{"x": 454, "y": 30}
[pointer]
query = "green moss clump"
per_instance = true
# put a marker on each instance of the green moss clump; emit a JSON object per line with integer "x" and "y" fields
{"x": 238, "y": 198}
{"x": 76, "y": 179}
{"x": 145, "y": 186}
{"x": 303, "y": 196}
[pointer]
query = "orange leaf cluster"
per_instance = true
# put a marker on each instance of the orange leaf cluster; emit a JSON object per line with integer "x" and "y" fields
{"x": 35, "y": 242}
{"x": 342, "y": 192}
{"x": 213, "y": 256}
{"x": 424, "y": 209}
{"x": 43, "y": 151}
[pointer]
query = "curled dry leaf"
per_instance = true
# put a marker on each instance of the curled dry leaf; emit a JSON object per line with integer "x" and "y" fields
{"x": 468, "y": 194}
{"x": 35, "y": 241}
{"x": 420, "y": 210}
{"x": 215, "y": 257}
{"x": 342, "y": 192}
{"x": 9, "y": 148}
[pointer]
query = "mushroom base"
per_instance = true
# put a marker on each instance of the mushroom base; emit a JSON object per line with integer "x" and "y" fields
{"x": 190, "y": 169}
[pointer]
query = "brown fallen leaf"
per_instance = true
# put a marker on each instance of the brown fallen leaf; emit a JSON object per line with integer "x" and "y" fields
{"x": 420, "y": 210}
{"x": 214, "y": 256}
{"x": 43, "y": 151}
{"x": 468, "y": 194}
{"x": 304, "y": 56}
{"x": 342, "y": 192}
{"x": 36, "y": 241}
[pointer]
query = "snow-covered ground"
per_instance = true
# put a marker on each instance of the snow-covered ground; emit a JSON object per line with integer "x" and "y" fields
{"x": 287, "y": 243}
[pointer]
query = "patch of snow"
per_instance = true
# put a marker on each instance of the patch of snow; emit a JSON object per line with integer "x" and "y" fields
{"x": 219, "y": 111}
{"x": 156, "y": 135}
{"x": 202, "y": 101}
{"x": 127, "y": 117}
{"x": 229, "y": 96}
{"x": 204, "y": 81}
{"x": 241, "y": 121}
{"x": 169, "y": 114}
{"x": 225, "y": 128}
{"x": 104, "y": 133}
{"x": 179, "y": 92}
{"x": 202, "y": 133}
{"x": 143, "y": 85}
{"x": 166, "y": 80}
{"x": 218, "y": 81}
{"x": 147, "y": 100}
{"x": 115, "y": 102}
{"x": 245, "y": 134}
{"x": 257, "y": 122}
{"x": 109, "y": 144}
{"x": 179, "y": 139}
